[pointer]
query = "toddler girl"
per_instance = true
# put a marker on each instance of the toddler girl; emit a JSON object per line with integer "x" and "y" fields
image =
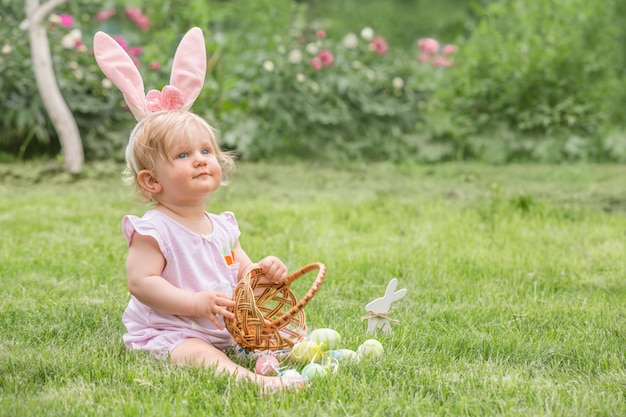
{"x": 183, "y": 262}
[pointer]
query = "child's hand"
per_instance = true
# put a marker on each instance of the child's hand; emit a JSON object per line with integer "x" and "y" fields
{"x": 210, "y": 304}
{"x": 274, "y": 269}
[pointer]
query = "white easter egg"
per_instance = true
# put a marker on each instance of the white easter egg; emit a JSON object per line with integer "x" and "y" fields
{"x": 347, "y": 355}
{"x": 328, "y": 339}
{"x": 290, "y": 373}
{"x": 370, "y": 349}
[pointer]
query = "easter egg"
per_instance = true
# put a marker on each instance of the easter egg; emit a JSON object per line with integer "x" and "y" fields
{"x": 370, "y": 349}
{"x": 334, "y": 354}
{"x": 328, "y": 339}
{"x": 314, "y": 370}
{"x": 347, "y": 355}
{"x": 330, "y": 364}
{"x": 305, "y": 351}
{"x": 289, "y": 373}
{"x": 267, "y": 365}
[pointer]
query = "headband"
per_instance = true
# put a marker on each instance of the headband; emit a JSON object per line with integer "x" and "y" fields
{"x": 186, "y": 79}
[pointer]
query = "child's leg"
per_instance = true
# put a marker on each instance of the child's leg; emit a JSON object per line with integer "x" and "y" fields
{"x": 199, "y": 352}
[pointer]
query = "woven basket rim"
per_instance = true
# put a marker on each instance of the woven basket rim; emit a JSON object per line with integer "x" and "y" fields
{"x": 261, "y": 322}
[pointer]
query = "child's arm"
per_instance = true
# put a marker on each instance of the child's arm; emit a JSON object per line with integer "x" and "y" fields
{"x": 144, "y": 265}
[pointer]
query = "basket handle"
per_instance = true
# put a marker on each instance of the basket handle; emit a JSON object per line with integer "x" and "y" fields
{"x": 307, "y": 297}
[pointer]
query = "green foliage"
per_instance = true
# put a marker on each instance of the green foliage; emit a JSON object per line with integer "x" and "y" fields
{"x": 22, "y": 117}
{"x": 99, "y": 110}
{"x": 538, "y": 80}
{"x": 361, "y": 105}
{"x": 548, "y": 68}
{"x": 350, "y": 110}
{"x": 402, "y": 21}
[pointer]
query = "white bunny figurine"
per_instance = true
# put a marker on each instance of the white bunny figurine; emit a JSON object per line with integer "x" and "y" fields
{"x": 379, "y": 308}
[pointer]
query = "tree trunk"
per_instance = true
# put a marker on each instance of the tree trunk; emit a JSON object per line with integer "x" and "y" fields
{"x": 60, "y": 114}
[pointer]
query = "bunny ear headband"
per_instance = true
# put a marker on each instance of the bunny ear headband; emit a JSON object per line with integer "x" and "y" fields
{"x": 186, "y": 80}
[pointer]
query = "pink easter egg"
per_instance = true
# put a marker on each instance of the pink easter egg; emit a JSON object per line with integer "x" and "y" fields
{"x": 267, "y": 365}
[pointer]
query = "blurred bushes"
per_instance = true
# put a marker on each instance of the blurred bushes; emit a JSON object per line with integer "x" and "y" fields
{"x": 541, "y": 80}
{"x": 26, "y": 129}
{"x": 325, "y": 98}
{"x": 537, "y": 80}
{"x": 402, "y": 21}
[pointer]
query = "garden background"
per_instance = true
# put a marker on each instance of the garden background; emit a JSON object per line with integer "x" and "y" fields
{"x": 472, "y": 149}
{"x": 521, "y": 81}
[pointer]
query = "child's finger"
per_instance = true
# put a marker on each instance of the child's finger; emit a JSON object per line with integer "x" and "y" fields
{"x": 274, "y": 269}
{"x": 225, "y": 313}
{"x": 224, "y": 302}
{"x": 216, "y": 321}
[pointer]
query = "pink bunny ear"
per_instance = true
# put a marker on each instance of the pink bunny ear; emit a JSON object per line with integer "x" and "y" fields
{"x": 189, "y": 66}
{"x": 118, "y": 66}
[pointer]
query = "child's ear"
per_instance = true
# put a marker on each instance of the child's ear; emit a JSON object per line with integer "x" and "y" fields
{"x": 148, "y": 181}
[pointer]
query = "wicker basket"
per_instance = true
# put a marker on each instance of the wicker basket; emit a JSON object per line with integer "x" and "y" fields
{"x": 268, "y": 316}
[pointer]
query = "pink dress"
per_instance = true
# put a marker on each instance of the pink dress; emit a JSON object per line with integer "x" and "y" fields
{"x": 194, "y": 262}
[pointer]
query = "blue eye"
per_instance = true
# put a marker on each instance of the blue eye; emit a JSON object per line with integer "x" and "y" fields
{"x": 206, "y": 152}
{"x": 183, "y": 155}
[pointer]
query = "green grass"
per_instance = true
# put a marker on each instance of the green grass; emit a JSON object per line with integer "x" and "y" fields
{"x": 516, "y": 299}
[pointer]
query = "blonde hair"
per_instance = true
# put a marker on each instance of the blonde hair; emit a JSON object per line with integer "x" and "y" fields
{"x": 154, "y": 137}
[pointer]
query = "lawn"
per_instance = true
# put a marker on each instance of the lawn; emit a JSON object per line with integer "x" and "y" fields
{"x": 516, "y": 300}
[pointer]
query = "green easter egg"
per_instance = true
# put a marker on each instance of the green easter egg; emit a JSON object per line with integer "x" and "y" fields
{"x": 314, "y": 370}
{"x": 328, "y": 339}
{"x": 370, "y": 349}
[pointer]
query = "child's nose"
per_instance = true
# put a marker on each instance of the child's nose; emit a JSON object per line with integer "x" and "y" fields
{"x": 201, "y": 158}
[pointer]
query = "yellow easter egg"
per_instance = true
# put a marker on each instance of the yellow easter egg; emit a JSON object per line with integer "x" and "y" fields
{"x": 305, "y": 351}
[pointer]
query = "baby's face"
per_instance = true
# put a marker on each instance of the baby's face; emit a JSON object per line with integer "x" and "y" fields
{"x": 192, "y": 171}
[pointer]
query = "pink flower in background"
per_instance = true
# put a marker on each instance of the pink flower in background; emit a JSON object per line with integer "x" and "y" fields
{"x": 326, "y": 57}
{"x": 132, "y": 11}
{"x": 135, "y": 50}
{"x": 429, "y": 52}
{"x": 143, "y": 23}
{"x": 104, "y": 14}
{"x": 317, "y": 63}
{"x": 320, "y": 33}
{"x": 154, "y": 65}
{"x": 448, "y": 50}
{"x": 428, "y": 45}
{"x": 137, "y": 17}
{"x": 423, "y": 57}
{"x": 66, "y": 20}
{"x": 121, "y": 41}
{"x": 379, "y": 45}
{"x": 440, "y": 62}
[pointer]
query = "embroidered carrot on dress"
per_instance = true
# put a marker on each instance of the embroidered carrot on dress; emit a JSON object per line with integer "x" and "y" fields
{"x": 229, "y": 257}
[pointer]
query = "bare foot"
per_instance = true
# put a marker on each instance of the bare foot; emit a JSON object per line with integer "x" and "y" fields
{"x": 272, "y": 384}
